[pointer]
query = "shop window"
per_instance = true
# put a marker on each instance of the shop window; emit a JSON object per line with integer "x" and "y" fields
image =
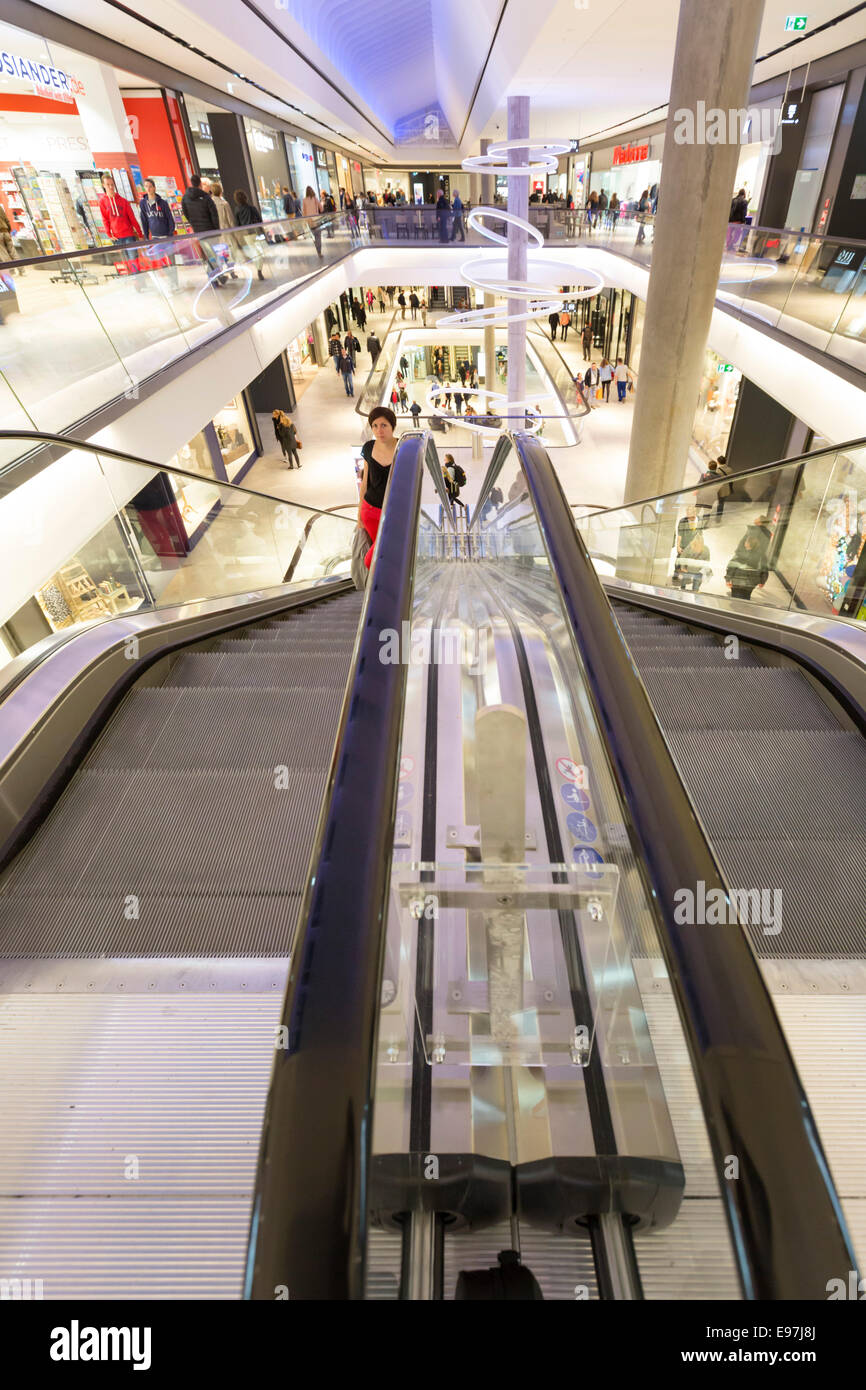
{"x": 234, "y": 435}
{"x": 99, "y": 581}
{"x": 720, "y": 387}
{"x": 194, "y": 499}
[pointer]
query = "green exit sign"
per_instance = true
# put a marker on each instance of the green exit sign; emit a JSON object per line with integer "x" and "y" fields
{"x": 796, "y": 21}
{"x": 724, "y": 367}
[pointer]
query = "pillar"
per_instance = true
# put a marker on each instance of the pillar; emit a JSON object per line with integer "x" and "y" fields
{"x": 518, "y": 204}
{"x": 489, "y": 346}
{"x": 713, "y": 62}
{"x": 487, "y": 182}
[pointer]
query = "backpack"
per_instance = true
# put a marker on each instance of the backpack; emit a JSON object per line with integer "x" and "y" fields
{"x": 459, "y": 476}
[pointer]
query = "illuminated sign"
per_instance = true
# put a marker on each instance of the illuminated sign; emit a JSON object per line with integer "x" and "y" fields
{"x": 630, "y": 154}
{"x": 724, "y": 367}
{"x": 204, "y": 130}
{"x": 574, "y": 146}
{"x": 796, "y": 22}
{"x": 47, "y": 81}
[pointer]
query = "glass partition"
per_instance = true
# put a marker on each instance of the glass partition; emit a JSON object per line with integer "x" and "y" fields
{"x": 790, "y": 536}
{"x": 80, "y": 330}
{"x": 93, "y": 535}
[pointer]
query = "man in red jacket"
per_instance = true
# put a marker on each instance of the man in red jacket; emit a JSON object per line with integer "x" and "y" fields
{"x": 118, "y": 218}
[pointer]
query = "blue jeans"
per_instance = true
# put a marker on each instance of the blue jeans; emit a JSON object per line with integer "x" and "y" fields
{"x": 621, "y": 389}
{"x": 349, "y": 383}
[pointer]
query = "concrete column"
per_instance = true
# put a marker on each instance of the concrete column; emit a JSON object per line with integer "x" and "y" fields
{"x": 489, "y": 346}
{"x": 713, "y": 62}
{"x": 518, "y": 204}
{"x": 487, "y": 182}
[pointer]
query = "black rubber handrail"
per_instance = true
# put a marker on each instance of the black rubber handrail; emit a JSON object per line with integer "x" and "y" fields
{"x": 308, "y": 1230}
{"x": 788, "y": 1232}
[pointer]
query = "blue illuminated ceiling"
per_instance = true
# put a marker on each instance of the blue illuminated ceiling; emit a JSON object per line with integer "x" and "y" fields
{"x": 384, "y": 49}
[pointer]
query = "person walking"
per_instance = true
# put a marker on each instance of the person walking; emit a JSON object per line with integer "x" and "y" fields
{"x": 311, "y": 210}
{"x": 248, "y": 215}
{"x": 7, "y": 245}
{"x": 374, "y": 347}
{"x": 352, "y": 346}
{"x": 414, "y": 304}
{"x": 287, "y": 437}
{"x": 424, "y": 312}
{"x": 378, "y": 454}
{"x": 586, "y": 341}
{"x": 613, "y": 210}
{"x": 404, "y": 364}
{"x": 404, "y": 397}
{"x": 335, "y": 348}
{"x": 602, "y": 206}
{"x": 120, "y": 222}
{"x": 369, "y": 298}
{"x": 223, "y": 207}
{"x": 157, "y": 220}
{"x": 642, "y": 217}
{"x": 199, "y": 208}
{"x": 401, "y": 300}
{"x": 390, "y": 290}
{"x": 415, "y": 411}
{"x": 591, "y": 382}
{"x": 605, "y": 376}
{"x": 621, "y": 376}
{"x": 361, "y": 316}
{"x": 553, "y": 320}
{"x": 347, "y": 371}
{"x": 291, "y": 203}
{"x": 736, "y": 220}
{"x": 381, "y": 302}
{"x": 443, "y": 212}
{"x": 457, "y": 223}
{"x": 564, "y": 321}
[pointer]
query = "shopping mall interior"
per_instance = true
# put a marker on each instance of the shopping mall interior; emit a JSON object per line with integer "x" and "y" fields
{"x": 433, "y": 877}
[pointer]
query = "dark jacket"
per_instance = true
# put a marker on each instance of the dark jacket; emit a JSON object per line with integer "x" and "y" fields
{"x": 334, "y": 346}
{"x": 748, "y": 565}
{"x": 346, "y": 365}
{"x": 200, "y": 210}
{"x": 247, "y": 214}
{"x": 739, "y": 210}
{"x": 374, "y": 347}
{"x": 156, "y": 218}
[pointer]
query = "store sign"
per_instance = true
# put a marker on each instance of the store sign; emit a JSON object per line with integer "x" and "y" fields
{"x": 204, "y": 130}
{"x": 263, "y": 143}
{"x": 630, "y": 154}
{"x": 574, "y": 146}
{"x": 792, "y": 113}
{"x": 321, "y": 157}
{"x": 845, "y": 258}
{"x": 796, "y": 22}
{"x": 47, "y": 81}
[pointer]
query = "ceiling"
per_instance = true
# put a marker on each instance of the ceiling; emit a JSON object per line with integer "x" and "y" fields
{"x": 419, "y": 82}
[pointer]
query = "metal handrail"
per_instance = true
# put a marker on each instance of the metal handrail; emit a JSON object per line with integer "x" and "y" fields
{"x": 789, "y": 1235}
{"x": 309, "y": 1216}
{"x": 735, "y": 477}
{"x": 179, "y": 238}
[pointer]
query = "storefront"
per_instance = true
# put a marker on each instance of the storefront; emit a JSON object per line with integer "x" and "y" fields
{"x": 235, "y": 438}
{"x": 717, "y": 399}
{"x": 627, "y": 169}
{"x": 221, "y": 452}
{"x": 303, "y": 165}
{"x": 267, "y": 150}
{"x": 64, "y": 118}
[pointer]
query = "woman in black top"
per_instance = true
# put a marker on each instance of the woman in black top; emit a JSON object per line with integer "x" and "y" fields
{"x": 378, "y": 455}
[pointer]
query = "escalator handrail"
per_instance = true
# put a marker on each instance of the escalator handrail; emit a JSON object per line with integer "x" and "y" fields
{"x": 70, "y": 445}
{"x": 793, "y": 462}
{"x": 788, "y": 1231}
{"x": 309, "y": 1214}
{"x": 501, "y": 450}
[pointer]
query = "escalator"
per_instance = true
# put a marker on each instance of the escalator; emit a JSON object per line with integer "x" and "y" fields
{"x": 442, "y": 819}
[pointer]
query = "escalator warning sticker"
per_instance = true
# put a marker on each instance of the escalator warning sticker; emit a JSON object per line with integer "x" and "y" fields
{"x": 407, "y": 766}
{"x": 404, "y": 793}
{"x": 573, "y": 796}
{"x": 581, "y": 827}
{"x": 582, "y": 855}
{"x": 572, "y": 771}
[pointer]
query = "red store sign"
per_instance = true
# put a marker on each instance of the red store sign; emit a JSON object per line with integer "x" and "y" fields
{"x": 630, "y": 154}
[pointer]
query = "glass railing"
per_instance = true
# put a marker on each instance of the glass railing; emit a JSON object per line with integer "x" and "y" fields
{"x": 95, "y": 534}
{"x": 813, "y": 287}
{"x": 788, "y": 536}
{"x": 78, "y": 331}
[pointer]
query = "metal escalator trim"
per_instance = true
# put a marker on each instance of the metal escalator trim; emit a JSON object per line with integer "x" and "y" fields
{"x": 501, "y": 451}
{"x": 787, "y": 1224}
{"x": 309, "y": 1216}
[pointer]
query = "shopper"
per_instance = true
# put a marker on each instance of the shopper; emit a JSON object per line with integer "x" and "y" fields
{"x": 748, "y": 567}
{"x": 118, "y": 218}
{"x": 457, "y": 223}
{"x": 374, "y": 347}
{"x": 454, "y": 478}
{"x": 156, "y": 215}
{"x": 739, "y": 207}
{"x": 443, "y": 212}
{"x": 369, "y": 298}
{"x": 381, "y": 300}
{"x": 424, "y": 312}
{"x": 378, "y": 455}
{"x": 335, "y": 348}
{"x": 621, "y": 376}
{"x": 198, "y": 207}
{"x": 414, "y": 304}
{"x": 290, "y": 441}
{"x": 415, "y": 411}
{"x": 643, "y": 214}
{"x": 586, "y": 340}
{"x": 401, "y": 300}
{"x": 352, "y": 346}
{"x": 390, "y": 290}
{"x": 7, "y": 245}
{"x": 605, "y": 377}
{"x": 553, "y": 320}
{"x": 361, "y": 316}
{"x": 248, "y": 215}
{"x": 564, "y": 321}
{"x": 613, "y": 210}
{"x": 591, "y": 380}
{"x": 690, "y": 567}
{"x": 346, "y": 368}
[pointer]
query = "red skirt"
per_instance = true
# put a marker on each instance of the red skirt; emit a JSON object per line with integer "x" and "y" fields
{"x": 370, "y": 518}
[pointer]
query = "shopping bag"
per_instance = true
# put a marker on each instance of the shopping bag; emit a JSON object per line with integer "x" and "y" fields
{"x": 599, "y": 393}
{"x": 360, "y": 545}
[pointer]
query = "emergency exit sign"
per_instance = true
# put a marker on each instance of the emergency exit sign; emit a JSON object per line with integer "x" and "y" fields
{"x": 796, "y": 21}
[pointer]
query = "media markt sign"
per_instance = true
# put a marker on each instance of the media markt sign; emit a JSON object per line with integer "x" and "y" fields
{"x": 796, "y": 22}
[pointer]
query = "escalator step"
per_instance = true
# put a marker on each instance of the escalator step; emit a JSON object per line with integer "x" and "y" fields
{"x": 280, "y": 669}
{"x": 214, "y": 726}
{"x": 822, "y": 883}
{"x": 154, "y": 831}
{"x": 51, "y": 926}
{"x": 655, "y": 658}
{"x": 763, "y": 782}
{"x": 748, "y": 698}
